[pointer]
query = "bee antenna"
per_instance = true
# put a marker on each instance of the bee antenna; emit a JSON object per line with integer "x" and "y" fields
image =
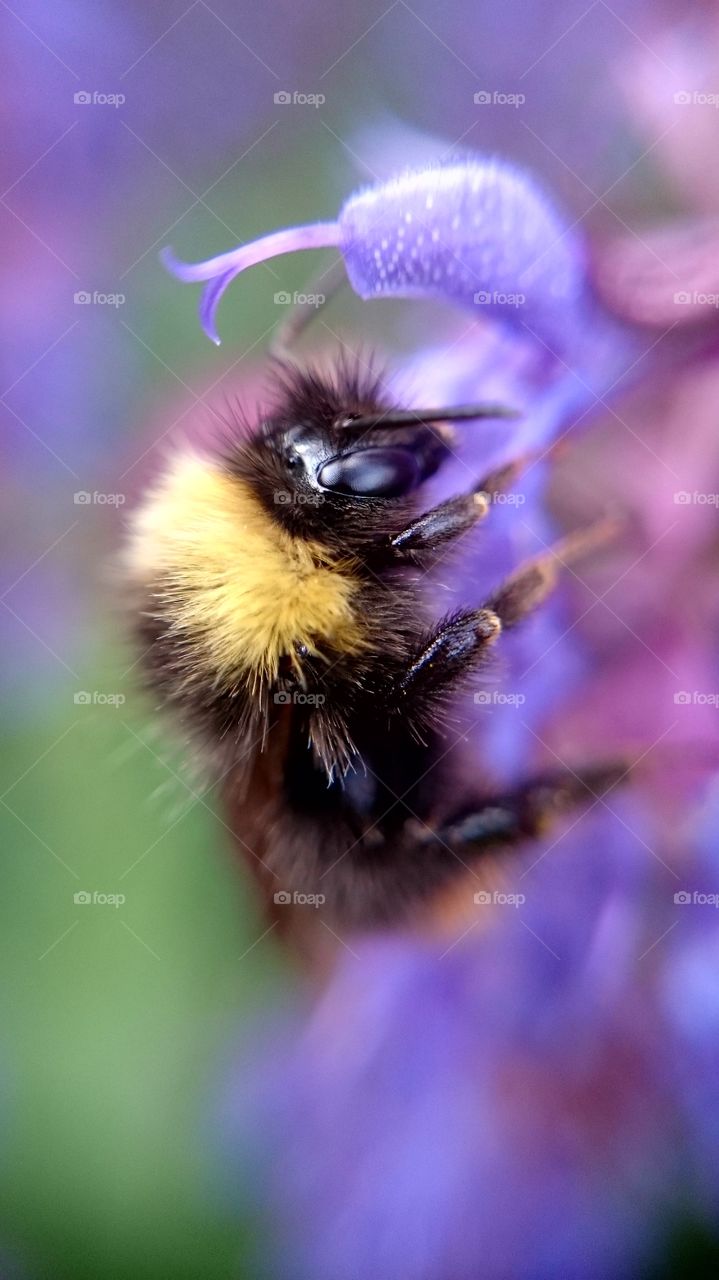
{"x": 409, "y": 417}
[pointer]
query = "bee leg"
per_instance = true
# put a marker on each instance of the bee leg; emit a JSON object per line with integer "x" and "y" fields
{"x": 449, "y": 653}
{"x": 442, "y": 524}
{"x": 449, "y": 520}
{"x": 530, "y": 584}
{"x": 530, "y": 810}
{"x": 460, "y": 642}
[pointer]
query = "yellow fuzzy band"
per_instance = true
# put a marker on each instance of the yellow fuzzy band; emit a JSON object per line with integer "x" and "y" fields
{"x": 231, "y": 581}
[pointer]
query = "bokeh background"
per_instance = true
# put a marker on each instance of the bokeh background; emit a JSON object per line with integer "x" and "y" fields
{"x": 127, "y": 126}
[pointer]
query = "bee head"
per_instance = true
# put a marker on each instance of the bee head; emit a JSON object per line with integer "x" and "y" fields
{"x": 332, "y": 463}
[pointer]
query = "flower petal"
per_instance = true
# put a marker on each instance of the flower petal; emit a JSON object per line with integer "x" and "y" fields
{"x": 478, "y": 233}
{"x": 223, "y": 269}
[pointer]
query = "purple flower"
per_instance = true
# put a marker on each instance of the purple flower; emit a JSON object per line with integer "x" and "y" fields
{"x": 478, "y": 233}
{"x": 415, "y": 1089}
{"x": 536, "y": 1099}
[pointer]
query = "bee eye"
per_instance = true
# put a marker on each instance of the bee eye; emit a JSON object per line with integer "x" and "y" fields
{"x": 372, "y": 473}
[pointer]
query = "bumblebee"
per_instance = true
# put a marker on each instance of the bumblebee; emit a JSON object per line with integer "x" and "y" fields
{"x": 285, "y": 619}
